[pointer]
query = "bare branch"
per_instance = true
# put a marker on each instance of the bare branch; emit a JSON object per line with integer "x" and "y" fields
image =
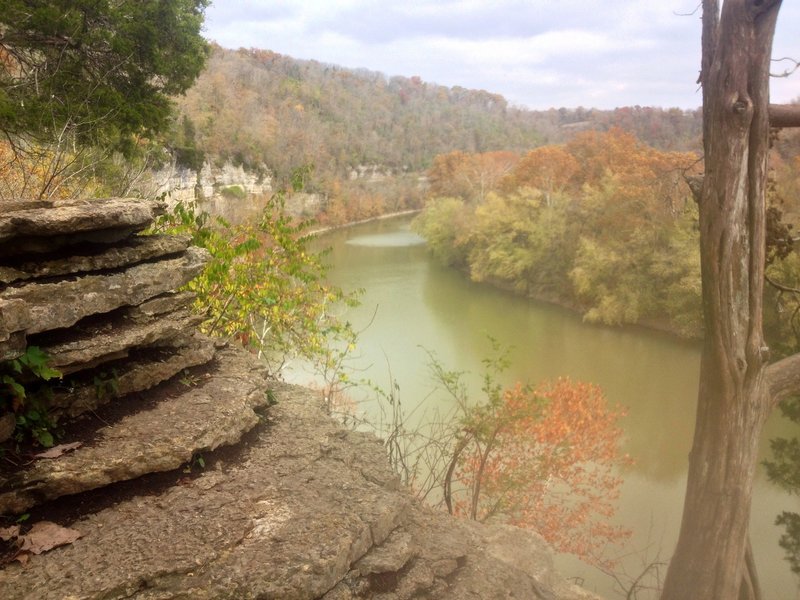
{"x": 789, "y": 70}
{"x": 781, "y": 287}
{"x": 784, "y": 115}
{"x": 689, "y": 14}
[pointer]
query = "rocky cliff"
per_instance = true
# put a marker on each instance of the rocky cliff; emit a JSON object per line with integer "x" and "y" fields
{"x": 184, "y": 473}
{"x": 186, "y": 184}
{"x": 228, "y": 191}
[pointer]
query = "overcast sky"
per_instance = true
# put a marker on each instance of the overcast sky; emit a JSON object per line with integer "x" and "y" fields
{"x": 536, "y": 53}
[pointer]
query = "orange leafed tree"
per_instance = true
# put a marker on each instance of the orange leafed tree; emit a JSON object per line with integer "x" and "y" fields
{"x": 469, "y": 176}
{"x": 548, "y": 168}
{"x": 40, "y": 173}
{"x": 546, "y": 459}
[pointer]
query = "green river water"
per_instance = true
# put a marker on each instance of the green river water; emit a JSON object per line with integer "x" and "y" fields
{"x": 418, "y": 304}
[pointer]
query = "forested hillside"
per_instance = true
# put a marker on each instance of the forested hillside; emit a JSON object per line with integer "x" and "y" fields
{"x": 270, "y": 111}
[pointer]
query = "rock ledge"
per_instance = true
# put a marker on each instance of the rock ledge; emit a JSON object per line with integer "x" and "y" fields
{"x": 311, "y": 511}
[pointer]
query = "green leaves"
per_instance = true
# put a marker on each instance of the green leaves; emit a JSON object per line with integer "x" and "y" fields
{"x": 36, "y": 361}
{"x": 101, "y": 71}
{"x": 263, "y": 287}
{"x": 23, "y": 392}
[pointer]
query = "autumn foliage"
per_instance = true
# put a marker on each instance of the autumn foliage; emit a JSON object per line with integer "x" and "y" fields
{"x": 603, "y": 223}
{"x": 39, "y": 173}
{"x": 262, "y": 286}
{"x": 469, "y": 176}
{"x": 546, "y": 459}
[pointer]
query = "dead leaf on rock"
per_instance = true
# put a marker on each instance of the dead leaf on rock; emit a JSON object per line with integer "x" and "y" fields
{"x": 45, "y": 536}
{"x": 59, "y": 450}
{"x": 9, "y": 533}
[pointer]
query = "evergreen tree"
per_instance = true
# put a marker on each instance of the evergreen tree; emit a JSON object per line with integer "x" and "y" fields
{"x": 99, "y": 72}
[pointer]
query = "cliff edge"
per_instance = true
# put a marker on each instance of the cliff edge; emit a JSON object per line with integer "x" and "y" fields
{"x": 188, "y": 473}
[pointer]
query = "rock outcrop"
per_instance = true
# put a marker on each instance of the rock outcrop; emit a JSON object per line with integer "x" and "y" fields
{"x": 308, "y": 510}
{"x": 289, "y": 504}
{"x": 211, "y": 188}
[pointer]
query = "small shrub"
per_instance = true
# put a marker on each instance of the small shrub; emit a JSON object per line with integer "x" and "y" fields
{"x": 234, "y": 191}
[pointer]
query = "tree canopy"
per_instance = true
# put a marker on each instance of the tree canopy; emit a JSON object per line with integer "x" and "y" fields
{"x": 101, "y": 71}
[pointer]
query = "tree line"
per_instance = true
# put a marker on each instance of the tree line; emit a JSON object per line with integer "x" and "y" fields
{"x": 604, "y": 224}
{"x": 271, "y": 111}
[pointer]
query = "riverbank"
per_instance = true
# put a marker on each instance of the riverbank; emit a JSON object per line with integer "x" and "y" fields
{"x": 394, "y": 215}
{"x": 194, "y": 474}
{"x": 661, "y": 326}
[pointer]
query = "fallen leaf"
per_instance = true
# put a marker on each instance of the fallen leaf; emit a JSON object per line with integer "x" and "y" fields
{"x": 59, "y": 450}
{"x": 22, "y": 558}
{"x": 45, "y": 536}
{"x": 9, "y": 533}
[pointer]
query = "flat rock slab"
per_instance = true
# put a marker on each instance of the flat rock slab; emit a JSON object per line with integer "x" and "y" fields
{"x": 83, "y": 347}
{"x": 215, "y": 413}
{"x": 64, "y": 303}
{"x": 308, "y": 511}
{"x": 44, "y": 226}
{"x": 89, "y": 391}
{"x": 135, "y": 250}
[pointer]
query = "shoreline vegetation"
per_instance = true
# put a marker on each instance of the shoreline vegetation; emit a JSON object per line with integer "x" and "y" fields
{"x": 604, "y": 225}
{"x": 652, "y": 325}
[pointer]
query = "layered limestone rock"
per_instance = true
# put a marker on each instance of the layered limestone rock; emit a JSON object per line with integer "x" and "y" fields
{"x": 77, "y": 281}
{"x": 309, "y": 511}
{"x": 131, "y": 251}
{"x": 214, "y": 411}
{"x": 211, "y": 187}
{"x": 46, "y": 226}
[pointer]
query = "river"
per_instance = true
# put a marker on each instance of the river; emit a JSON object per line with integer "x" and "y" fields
{"x": 419, "y": 305}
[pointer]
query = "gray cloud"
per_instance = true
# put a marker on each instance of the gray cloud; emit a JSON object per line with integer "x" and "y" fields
{"x": 537, "y": 53}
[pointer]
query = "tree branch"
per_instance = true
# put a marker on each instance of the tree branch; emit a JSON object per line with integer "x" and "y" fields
{"x": 780, "y": 287}
{"x": 784, "y": 115}
{"x": 786, "y": 72}
{"x": 783, "y": 378}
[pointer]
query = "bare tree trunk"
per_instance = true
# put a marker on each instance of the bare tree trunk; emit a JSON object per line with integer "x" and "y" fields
{"x": 733, "y": 400}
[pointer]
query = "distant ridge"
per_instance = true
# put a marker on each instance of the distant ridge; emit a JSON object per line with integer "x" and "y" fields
{"x": 264, "y": 109}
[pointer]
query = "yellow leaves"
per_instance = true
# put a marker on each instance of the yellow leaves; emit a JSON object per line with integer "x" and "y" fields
{"x": 263, "y": 287}
{"x": 36, "y": 173}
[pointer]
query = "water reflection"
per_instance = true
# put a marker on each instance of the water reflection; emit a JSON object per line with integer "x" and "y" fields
{"x": 395, "y": 239}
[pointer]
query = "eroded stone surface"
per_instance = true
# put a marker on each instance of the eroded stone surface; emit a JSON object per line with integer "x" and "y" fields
{"x": 217, "y": 412}
{"x": 98, "y": 342}
{"x": 134, "y": 375}
{"x": 14, "y": 346}
{"x": 297, "y": 517}
{"x": 70, "y": 216}
{"x": 62, "y": 304}
{"x": 159, "y": 305}
{"x": 132, "y": 251}
{"x": 14, "y": 314}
